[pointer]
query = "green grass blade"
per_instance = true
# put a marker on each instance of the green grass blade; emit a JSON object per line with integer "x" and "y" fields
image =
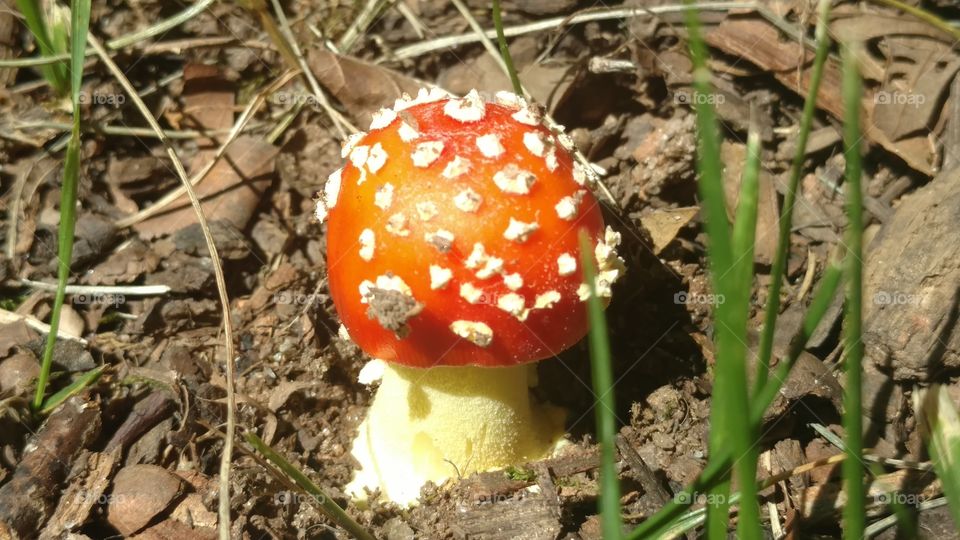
{"x": 729, "y": 398}
{"x": 79, "y": 26}
{"x": 80, "y": 22}
{"x": 316, "y": 495}
{"x": 829, "y": 283}
{"x": 744, "y": 233}
{"x": 504, "y": 50}
{"x": 941, "y": 426}
{"x": 854, "y": 513}
{"x": 73, "y": 388}
{"x": 56, "y": 73}
{"x": 602, "y": 376}
{"x": 790, "y": 196}
{"x": 68, "y": 198}
{"x": 657, "y": 525}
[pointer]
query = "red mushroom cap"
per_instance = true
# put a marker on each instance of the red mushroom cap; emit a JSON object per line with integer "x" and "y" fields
{"x": 453, "y": 234}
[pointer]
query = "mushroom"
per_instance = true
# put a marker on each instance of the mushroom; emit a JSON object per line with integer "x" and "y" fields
{"x": 452, "y": 251}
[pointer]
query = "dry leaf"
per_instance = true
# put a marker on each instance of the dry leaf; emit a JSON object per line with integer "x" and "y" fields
{"x": 761, "y": 43}
{"x": 208, "y": 99}
{"x": 230, "y": 192}
{"x": 361, "y": 87}
{"x": 664, "y": 224}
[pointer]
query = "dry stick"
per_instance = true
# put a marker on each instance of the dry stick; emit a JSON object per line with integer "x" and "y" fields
{"x": 421, "y": 48}
{"x": 339, "y": 121}
{"x": 120, "y": 130}
{"x": 360, "y": 23}
{"x": 9, "y": 317}
{"x": 492, "y": 49}
{"x": 122, "y": 41}
{"x": 224, "y": 509}
{"x": 235, "y": 131}
{"x": 126, "y": 290}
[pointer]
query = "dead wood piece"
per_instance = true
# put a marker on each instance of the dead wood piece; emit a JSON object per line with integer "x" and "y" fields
{"x": 147, "y": 413}
{"x": 27, "y": 500}
{"x": 912, "y": 284}
{"x": 84, "y": 492}
{"x": 522, "y": 518}
{"x": 651, "y": 485}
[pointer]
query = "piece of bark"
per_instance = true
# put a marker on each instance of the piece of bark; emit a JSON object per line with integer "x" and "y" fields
{"x": 734, "y": 155}
{"x": 664, "y": 224}
{"x": 29, "y": 498}
{"x": 147, "y": 413}
{"x": 172, "y": 529}
{"x": 82, "y": 494}
{"x": 532, "y": 517}
{"x": 18, "y": 371}
{"x": 651, "y": 485}
{"x": 912, "y": 284}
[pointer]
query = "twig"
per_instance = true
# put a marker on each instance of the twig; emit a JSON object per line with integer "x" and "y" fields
{"x": 421, "y": 48}
{"x": 127, "y": 290}
{"x": 879, "y": 526}
{"x": 7, "y": 317}
{"x": 160, "y": 47}
{"x": 17, "y": 198}
{"x": 120, "y": 42}
{"x": 418, "y": 27}
{"x": 120, "y": 130}
{"x": 359, "y": 25}
{"x": 339, "y": 121}
{"x": 226, "y": 457}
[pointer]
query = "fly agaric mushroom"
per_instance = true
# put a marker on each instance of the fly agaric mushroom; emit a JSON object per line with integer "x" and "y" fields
{"x": 452, "y": 248}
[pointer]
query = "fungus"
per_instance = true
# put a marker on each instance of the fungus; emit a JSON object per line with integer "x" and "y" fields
{"x": 461, "y": 236}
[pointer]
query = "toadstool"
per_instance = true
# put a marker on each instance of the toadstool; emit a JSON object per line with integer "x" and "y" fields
{"x": 452, "y": 249}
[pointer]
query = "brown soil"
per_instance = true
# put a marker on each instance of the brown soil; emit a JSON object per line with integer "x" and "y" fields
{"x": 138, "y": 452}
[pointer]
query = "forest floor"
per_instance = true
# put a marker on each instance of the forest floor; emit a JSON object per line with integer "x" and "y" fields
{"x": 137, "y": 453}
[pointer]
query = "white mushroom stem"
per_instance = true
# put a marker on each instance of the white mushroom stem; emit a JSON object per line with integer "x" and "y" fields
{"x": 438, "y": 423}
